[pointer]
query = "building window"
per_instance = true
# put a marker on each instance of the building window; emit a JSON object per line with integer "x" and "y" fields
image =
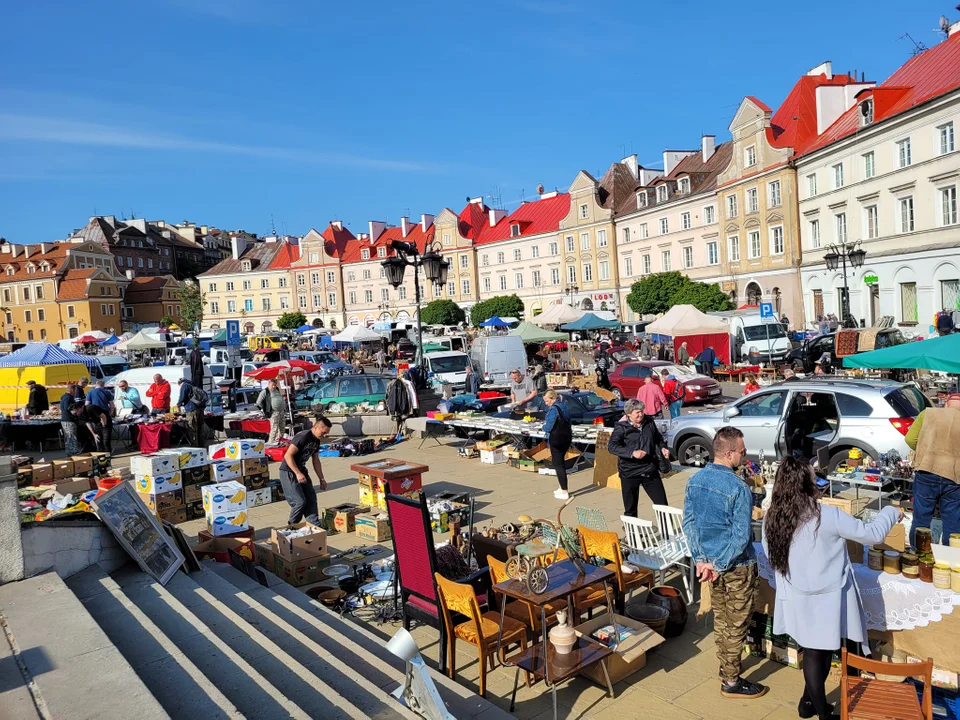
{"x": 282, "y": 281}
{"x": 230, "y": 287}
{"x": 709, "y": 215}
{"x": 776, "y": 240}
{"x": 688, "y": 256}
{"x": 571, "y": 247}
{"x": 662, "y": 193}
{"x": 815, "y": 234}
{"x": 869, "y": 165}
{"x": 365, "y": 254}
{"x": 465, "y": 288}
{"x": 247, "y": 285}
{"x": 587, "y": 272}
{"x": 734, "y": 242}
{"x": 945, "y": 135}
{"x": 331, "y": 277}
{"x": 840, "y": 227}
{"x": 837, "y": 176}
{"x": 264, "y": 283}
{"x": 447, "y": 242}
{"x": 231, "y": 306}
{"x": 301, "y": 280}
{"x": 684, "y": 186}
{"x": 871, "y": 220}
{"x": 949, "y": 293}
{"x": 384, "y": 294}
{"x": 518, "y": 281}
{"x": 536, "y": 278}
{"x": 685, "y": 223}
{"x": 6, "y": 295}
{"x": 753, "y": 245}
{"x": 905, "y": 212}
{"x": 486, "y": 284}
{"x": 752, "y": 202}
{"x": 571, "y": 275}
{"x": 626, "y": 235}
{"x": 366, "y": 274}
{"x": 948, "y": 207}
{"x": 464, "y": 261}
{"x": 245, "y": 266}
{"x": 627, "y": 263}
{"x": 604, "y": 267}
{"x": 585, "y": 241}
{"x": 903, "y": 153}
{"x": 30, "y": 335}
{"x": 644, "y": 231}
{"x": 750, "y": 156}
{"x": 28, "y": 315}
{"x": 316, "y": 300}
{"x": 26, "y": 293}
{"x": 71, "y": 311}
{"x": 314, "y": 258}
{"x": 554, "y": 248}
{"x": 516, "y": 255}
{"x": 664, "y": 226}
{"x": 534, "y": 251}
{"x": 212, "y": 287}
{"x": 368, "y": 296}
{"x": 265, "y": 304}
{"x": 352, "y": 297}
{"x": 641, "y": 199}
{"x": 584, "y": 212}
{"x": 43, "y": 334}
{"x": 248, "y": 305}
{"x": 401, "y": 293}
{"x": 601, "y": 238}
{"x": 812, "y": 185}
{"x": 773, "y": 193}
{"x": 646, "y": 265}
{"x": 501, "y": 258}
{"x": 713, "y": 254}
{"x": 485, "y": 260}
{"x": 554, "y": 276}
{"x": 515, "y": 230}
{"x": 150, "y": 263}
{"x": 665, "y": 261}
{"x": 314, "y": 278}
{"x": 731, "y": 206}
{"x": 503, "y": 282}
{"x": 331, "y": 300}
{"x": 41, "y": 315}
{"x": 284, "y": 302}
{"x": 908, "y": 302}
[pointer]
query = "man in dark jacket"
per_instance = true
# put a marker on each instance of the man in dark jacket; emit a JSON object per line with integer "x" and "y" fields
{"x": 37, "y": 402}
{"x": 635, "y": 441}
{"x": 471, "y": 382}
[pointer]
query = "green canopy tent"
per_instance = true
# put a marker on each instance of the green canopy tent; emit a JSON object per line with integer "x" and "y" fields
{"x": 531, "y": 333}
{"x": 940, "y": 353}
{"x": 590, "y": 322}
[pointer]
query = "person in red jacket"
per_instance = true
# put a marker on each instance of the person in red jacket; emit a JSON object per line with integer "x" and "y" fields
{"x": 674, "y": 391}
{"x": 159, "y": 394}
{"x": 750, "y": 385}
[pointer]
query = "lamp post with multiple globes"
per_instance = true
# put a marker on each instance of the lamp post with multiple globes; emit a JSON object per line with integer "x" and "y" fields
{"x": 837, "y": 257}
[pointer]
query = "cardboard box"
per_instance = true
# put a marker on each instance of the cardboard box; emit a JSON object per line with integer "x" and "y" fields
{"x": 174, "y": 515}
{"x": 255, "y": 466}
{"x": 199, "y": 475}
{"x": 255, "y": 482}
{"x": 368, "y": 490}
{"x": 541, "y": 453}
{"x": 256, "y": 498}
{"x": 42, "y": 473}
{"x": 222, "y": 498}
{"x": 298, "y": 548}
{"x": 263, "y": 552}
{"x": 160, "y": 463}
{"x": 101, "y": 462}
{"x": 248, "y": 533}
{"x": 192, "y": 494}
{"x": 374, "y": 527}
{"x": 163, "y": 501}
{"x": 83, "y": 464}
{"x": 226, "y": 523}
{"x": 851, "y": 506}
{"x": 400, "y": 485}
{"x": 188, "y": 457}
{"x": 631, "y": 654}
{"x": 341, "y": 518}
{"x": 219, "y": 548}
{"x": 243, "y": 449}
{"x": 222, "y": 471}
{"x": 74, "y": 486}
{"x": 493, "y": 443}
{"x": 156, "y": 484}
{"x": 493, "y": 457}
{"x": 24, "y": 476}
{"x": 195, "y": 510}
{"x": 276, "y": 491}
{"x": 62, "y": 469}
{"x": 300, "y": 572}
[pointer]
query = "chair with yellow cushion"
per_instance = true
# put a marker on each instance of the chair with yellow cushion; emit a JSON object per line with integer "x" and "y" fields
{"x": 606, "y": 545}
{"x": 480, "y": 629}
{"x": 588, "y": 598}
{"x": 521, "y": 610}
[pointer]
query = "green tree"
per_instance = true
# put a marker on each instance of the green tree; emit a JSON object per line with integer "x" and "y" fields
{"x": 291, "y": 320}
{"x": 659, "y": 292}
{"x": 704, "y": 297}
{"x": 501, "y": 306}
{"x": 167, "y": 321}
{"x": 442, "y": 312}
{"x": 192, "y": 302}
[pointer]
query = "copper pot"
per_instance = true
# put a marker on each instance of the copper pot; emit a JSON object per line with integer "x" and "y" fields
{"x": 671, "y": 600}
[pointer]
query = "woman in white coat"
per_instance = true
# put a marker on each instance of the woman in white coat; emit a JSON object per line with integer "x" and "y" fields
{"x": 818, "y": 601}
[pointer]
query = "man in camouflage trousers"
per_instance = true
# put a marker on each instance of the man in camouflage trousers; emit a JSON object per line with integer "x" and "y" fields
{"x": 717, "y": 514}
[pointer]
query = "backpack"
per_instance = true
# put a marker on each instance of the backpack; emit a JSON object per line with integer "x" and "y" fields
{"x": 677, "y": 393}
{"x": 199, "y": 397}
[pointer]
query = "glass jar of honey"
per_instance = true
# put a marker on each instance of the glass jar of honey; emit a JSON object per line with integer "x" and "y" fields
{"x": 955, "y": 540}
{"x": 923, "y": 540}
{"x": 941, "y": 576}
{"x": 910, "y": 565}
{"x": 891, "y": 562}
{"x": 955, "y": 578}
{"x": 926, "y": 570}
{"x": 875, "y": 559}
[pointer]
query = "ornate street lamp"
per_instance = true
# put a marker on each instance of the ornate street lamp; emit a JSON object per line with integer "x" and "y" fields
{"x": 837, "y": 257}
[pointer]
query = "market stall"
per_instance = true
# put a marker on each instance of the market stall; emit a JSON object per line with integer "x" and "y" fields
{"x": 558, "y": 314}
{"x": 684, "y": 323}
{"x": 939, "y": 353}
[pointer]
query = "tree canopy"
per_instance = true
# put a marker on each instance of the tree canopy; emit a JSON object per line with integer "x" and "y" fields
{"x": 442, "y": 312}
{"x": 659, "y": 292}
{"x": 291, "y": 320}
{"x": 501, "y": 306}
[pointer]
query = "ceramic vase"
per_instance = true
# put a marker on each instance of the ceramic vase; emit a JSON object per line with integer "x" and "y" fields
{"x": 671, "y": 600}
{"x": 562, "y": 636}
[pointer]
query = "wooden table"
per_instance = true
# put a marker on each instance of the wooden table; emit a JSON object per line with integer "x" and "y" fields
{"x": 541, "y": 659}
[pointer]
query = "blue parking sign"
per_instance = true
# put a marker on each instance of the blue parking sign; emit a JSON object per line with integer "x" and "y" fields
{"x": 766, "y": 310}
{"x": 233, "y": 332}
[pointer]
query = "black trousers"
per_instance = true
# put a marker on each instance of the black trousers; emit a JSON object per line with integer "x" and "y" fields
{"x": 630, "y": 490}
{"x": 557, "y": 460}
{"x": 302, "y": 498}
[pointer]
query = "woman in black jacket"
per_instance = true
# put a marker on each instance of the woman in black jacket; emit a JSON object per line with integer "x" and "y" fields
{"x": 635, "y": 441}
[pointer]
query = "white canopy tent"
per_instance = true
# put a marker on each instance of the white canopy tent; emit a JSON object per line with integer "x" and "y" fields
{"x": 683, "y": 320}
{"x": 357, "y": 333}
{"x": 141, "y": 341}
{"x": 558, "y": 314}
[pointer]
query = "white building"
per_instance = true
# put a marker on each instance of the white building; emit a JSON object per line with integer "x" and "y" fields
{"x": 886, "y": 173}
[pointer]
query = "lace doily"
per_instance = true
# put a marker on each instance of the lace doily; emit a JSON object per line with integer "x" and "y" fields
{"x": 890, "y": 602}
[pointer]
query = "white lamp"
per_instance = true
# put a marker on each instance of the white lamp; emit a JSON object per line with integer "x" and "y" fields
{"x": 418, "y": 691}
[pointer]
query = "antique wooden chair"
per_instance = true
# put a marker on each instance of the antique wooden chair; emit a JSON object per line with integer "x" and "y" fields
{"x": 606, "y": 545}
{"x": 868, "y": 698}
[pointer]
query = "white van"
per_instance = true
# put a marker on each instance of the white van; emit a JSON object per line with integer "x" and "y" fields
{"x": 494, "y": 356}
{"x": 448, "y": 367}
{"x": 748, "y": 334}
{"x": 109, "y": 366}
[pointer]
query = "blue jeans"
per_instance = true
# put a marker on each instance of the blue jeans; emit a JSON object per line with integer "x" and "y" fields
{"x": 928, "y": 490}
{"x": 675, "y": 408}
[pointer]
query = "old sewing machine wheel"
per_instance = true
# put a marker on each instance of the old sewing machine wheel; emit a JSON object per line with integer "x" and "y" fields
{"x": 516, "y": 567}
{"x": 537, "y": 580}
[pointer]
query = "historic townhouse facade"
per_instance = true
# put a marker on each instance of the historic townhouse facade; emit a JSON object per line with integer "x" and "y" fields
{"x": 457, "y": 235}
{"x": 887, "y": 174}
{"x": 148, "y": 300}
{"x": 317, "y": 276}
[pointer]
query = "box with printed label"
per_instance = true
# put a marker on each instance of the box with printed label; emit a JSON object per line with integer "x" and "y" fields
{"x": 227, "y": 523}
{"x": 154, "y": 485}
{"x": 222, "y": 498}
{"x": 82, "y": 464}
{"x": 195, "y": 510}
{"x": 189, "y": 457}
{"x": 340, "y": 518}
{"x": 263, "y": 551}
{"x": 62, "y": 469}
{"x": 276, "y": 491}
{"x": 221, "y": 471}
{"x": 243, "y": 449}
{"x": 153, "y": 464}
{"x": 255, "y": 466}
{"x": 304, "y": 546}
{"x": 219, "y": 549}
{"x": 261, "y": 496}
{"x": 42, "y": 473}
{"x": 191, "y": 494}
{"x": 163, "y": 501}
{"x": 175, "y": 515}
{"x": 373, "y": 527}
{"x": 368, "y": 490}
{"x": 199, "y": 475}
{"x": 493, "y": 457}
{"x": 300, "y": 572}
{"x": 249, "y": 532}
{"x": 400, "y": 485}
{"x": 255, "y": 482}
{"x": 101, "y": 462}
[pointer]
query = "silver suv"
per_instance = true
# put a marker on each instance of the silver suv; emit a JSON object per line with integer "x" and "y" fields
{"x": 806, "y": 415}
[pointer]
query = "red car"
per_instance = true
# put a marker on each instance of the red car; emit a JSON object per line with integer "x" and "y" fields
{"x": 626, "y": 380}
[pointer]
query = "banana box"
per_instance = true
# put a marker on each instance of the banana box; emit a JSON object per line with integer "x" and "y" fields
{"x": 227, "y": 523}
{"x": 228, "y": 497}
{"x": 255, "y": 466}
{"x": 224, "y": 470}
{"x": 256, "y": 498}
{"x": 243, "y": 449}
{"x": 157, "y": 484}
{"x": 154, "y": 464}
{"x": 189, "y": 457}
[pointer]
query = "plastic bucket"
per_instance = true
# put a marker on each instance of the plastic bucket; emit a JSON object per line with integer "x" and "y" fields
{"x": 106, "y": 483}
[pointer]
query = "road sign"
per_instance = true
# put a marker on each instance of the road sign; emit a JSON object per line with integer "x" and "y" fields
{"x": 233, "y": 332}
{"x": 766, "y": 313}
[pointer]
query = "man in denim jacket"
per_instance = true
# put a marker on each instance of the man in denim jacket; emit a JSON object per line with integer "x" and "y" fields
{"x": 717, "y": 512}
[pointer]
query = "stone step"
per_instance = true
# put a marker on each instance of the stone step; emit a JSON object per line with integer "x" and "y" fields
{"x": 342, "y": 671}
{"x": 68, "y": 657}
{"x": 15, "y": 698}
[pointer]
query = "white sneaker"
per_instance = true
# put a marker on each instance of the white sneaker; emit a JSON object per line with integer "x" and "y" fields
{"x": 561, "y": 494}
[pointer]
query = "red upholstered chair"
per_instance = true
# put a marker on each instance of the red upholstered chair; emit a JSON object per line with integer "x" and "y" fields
{"x": 416, "y": 564}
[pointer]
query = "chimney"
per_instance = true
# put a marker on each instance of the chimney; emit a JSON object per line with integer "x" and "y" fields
{"x": 376, "y": 229}
{"x": 954, "y": 28}
{"x": 404, "y": 226}
{"x": 476, "y": 201}
{"x": 672, "y": 158}
{"x": 6, "y": 248}
{"x": 631, "y": 162}
{"x": 645, "y": 176}
{"x": 237, "y": 245}
{"x": 26, "y": 251}
{"x": 110, "y": 220}
{"x": 496, "y": 216}
{"x": 824, "y": 68}
{"x": 130, "y": 274}
{"x": 14, "y": 250}
{"x": 338, "y": 224}
{"x": 708, "y": 146}
{"x": 44, "y": 247}
{"x": 426, "y": 221}
{"x": 140, "y": 224}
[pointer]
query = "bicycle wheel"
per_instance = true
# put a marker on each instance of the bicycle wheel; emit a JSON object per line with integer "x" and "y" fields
{"x": 515, "y": 567}
{"x": 537, "y": 580}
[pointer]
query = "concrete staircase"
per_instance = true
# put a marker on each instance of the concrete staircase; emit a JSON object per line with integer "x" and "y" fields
{"x": 214, "y": 644}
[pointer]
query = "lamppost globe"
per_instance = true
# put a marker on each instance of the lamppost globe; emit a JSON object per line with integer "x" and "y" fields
{"x": 444, "y": 271}
{"x": 432, "y": 262}
{"x": 857, "y": 257}
{"x": 394, "y": 268}
{"x": 832, "y": 259}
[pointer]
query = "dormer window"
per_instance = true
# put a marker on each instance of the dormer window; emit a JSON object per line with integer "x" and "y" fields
{"x": 31, "y": 269}
{"x": 365, "y": 254}
{"x": 245, "y": 265}
{"x": 684, "y": 186}
{"x": 641, "y": 199}
{"x": 381, "y": 251}
{"x": 866, "y": 112}
{"x": 662, "y": 193}
{"x": 515, "y": 230}
{"x": 44, "y": 267}
{"x": 10, "y": 270}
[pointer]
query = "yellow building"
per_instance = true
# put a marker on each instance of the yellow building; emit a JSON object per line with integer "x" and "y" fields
{"x": 148, "y": 300}
{"x": 457, "y": 235}
{"x": 317, "y": 278}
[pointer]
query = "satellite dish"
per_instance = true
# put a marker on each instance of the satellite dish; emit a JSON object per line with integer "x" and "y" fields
{"x": 540, "y": 189}
{"x": 944, "y": 24}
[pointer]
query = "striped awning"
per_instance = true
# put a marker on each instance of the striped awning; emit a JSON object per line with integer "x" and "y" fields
{"x": 33, "y": 354}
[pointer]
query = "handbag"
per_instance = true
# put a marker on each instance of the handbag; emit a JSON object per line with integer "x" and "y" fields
{"x": 663, "y": 464}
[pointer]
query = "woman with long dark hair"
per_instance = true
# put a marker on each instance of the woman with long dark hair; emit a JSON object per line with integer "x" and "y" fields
{"x": 818, "y": 601}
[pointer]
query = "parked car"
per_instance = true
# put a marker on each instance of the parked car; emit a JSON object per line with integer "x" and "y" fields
{"x": 347, "y": 389}
{"x": 494, "y": 356}
{"x": 586, "y": 408}
{"x": 806, "y": 355}
{"x": 406, "y": 350}
{"x": 448, "y": 367}
{"x": 626, "y": 380}
{"x": 330, "y": 363}
{"x": 839, "y": 414}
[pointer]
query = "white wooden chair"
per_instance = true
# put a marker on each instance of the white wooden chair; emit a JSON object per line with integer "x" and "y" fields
{"x": 670, "y": 524}
{"x": 647, "y": 549}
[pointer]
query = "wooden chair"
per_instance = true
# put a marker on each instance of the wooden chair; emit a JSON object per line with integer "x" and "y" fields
{"x": 866, "y": 698}
{"x": 586, "y": 599}
{"x": 606, "y": 545}
{"x": 480, "y": 629}
{"x": 670, "y": 524}
{"x": 646, "y": 549}
{"x": 521, "y": 610}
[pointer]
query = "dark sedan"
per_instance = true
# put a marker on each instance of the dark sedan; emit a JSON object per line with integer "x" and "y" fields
{"x": 585, "y": 408}
{"x": 626, "y": 380}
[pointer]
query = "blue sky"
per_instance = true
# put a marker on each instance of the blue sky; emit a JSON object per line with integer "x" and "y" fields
{"x": 228, "y": 112}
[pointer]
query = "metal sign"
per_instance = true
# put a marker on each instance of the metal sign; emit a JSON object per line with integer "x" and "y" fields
{"x": 233, "y": 332}
{"x": 766, "y": 313}
{"x": 871, "y": 279}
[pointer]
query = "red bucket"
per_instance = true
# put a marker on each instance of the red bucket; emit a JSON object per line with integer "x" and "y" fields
{"x": 106, "y": 483}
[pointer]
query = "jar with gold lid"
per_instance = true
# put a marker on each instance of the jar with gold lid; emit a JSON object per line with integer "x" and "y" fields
{"x": 923, "y": 540}
{"x": 941, "y": 576}
{"x": 891, "y": 562}
{"x": 875, "y": 559}
{"x": 926, "y": 569}
{"x": 910, "y": 565}
{"x": 955, "y": 578}
{"x": 955, "y": 540}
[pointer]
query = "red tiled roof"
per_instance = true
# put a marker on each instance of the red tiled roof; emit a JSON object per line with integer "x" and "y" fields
{"x": 285, "y": 255}
{"x": 73, "y": 286}
{"x": 147, "y": 289}
{"x": 415, "y": 234}
{"x": 923, "y": 77}
{"x": 55, "y": 255}
{"x": 337, "y": 240}
{"x": 794, "y": 125}
{"x": 534, "y": 218}
{"x": 474, "y": 220}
